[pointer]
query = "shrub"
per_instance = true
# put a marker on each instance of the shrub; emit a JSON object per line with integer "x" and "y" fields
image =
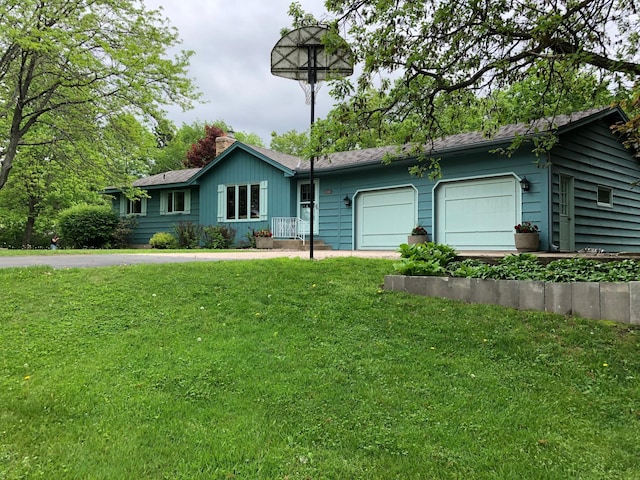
{"x": 251, "y": 238}
{"x": 424, "y": 259}
{"x": 188, "y": 234}
{"x": 87, "y": 226}
{"x": 120, "y": 237}
{"x": 525, "y": 266}
{"x": 443, "y": 254}
{"x": 218, "y": 236}
{"x": 163, "y": 240}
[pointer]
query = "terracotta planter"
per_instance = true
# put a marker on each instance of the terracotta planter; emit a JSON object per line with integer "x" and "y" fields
{"x": 264, "y": 242}
{"x": 527, "y": 242}
{"x": 413, "y": 239}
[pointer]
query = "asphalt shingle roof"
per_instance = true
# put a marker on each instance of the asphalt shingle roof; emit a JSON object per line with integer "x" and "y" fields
{"x": 375, "y": 155}
{"x": 167, "y": 178}
{"x": 452, "y": 142}
{"x": 289, "y": 161}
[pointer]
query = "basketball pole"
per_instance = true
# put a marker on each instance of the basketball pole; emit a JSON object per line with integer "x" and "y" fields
{"x": 312, "y": 53}
{"x": 287, "y": 60}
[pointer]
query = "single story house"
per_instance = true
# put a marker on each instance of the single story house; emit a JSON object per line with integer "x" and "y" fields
{"x": 580, "y": 194}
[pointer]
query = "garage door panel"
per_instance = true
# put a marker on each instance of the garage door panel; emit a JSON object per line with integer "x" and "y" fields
{"x": 478, "y": 240}
{"x": 374, "y": 223}
{"x": 491, "y": 210}
{"x": 384, "y": 218}
{"x": 477, "y": 214}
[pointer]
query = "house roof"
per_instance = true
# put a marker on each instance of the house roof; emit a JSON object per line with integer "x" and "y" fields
{"x": 464, "y": 141}
{"x": 289, "y": 161}
{"x": 290, "y": 164}
{"x": 167, "y": 178}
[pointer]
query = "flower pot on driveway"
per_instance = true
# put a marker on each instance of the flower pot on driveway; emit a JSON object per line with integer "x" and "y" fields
{"x": 413, "y": 239}
{"x": 527, "y": 242}
{"x": 264, "y": 242}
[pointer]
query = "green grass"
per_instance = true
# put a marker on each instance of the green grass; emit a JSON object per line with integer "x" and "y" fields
{"x": 291, "y": 369}
{"x": 101, "y": 251}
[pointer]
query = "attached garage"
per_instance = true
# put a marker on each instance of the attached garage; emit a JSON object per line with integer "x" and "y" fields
{"x": 384, "y": 218}
{"x": 477, "y": 214}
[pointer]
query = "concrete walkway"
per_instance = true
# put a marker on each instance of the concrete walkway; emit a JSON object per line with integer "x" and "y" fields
{"x": 110, "y": 259}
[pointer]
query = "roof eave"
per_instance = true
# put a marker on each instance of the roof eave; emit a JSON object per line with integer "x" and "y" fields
{"x": 239, "y": 145}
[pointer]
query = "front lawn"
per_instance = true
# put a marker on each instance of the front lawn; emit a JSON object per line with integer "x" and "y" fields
{"x": 292, "y": 369}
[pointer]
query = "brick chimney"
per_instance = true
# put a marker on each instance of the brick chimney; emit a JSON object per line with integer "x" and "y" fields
{"x": 224, "y": 142}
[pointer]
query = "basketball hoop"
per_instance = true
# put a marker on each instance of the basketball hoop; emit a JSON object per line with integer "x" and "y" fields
{"x": 300, "y": 55}
{"x": 306, "y": 88}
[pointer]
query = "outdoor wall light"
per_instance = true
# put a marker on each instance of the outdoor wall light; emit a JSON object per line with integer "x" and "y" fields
{"x": 347, "y": 201}
{"x": 525, "y": 184}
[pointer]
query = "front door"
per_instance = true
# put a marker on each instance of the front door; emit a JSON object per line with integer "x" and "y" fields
{"x": 566, "y": 207}
{"x": 304, "y": 207}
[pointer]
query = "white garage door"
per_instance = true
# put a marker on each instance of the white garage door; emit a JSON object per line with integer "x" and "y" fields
{"x": 384, "y": 218}
{"x": 477, "y": 214}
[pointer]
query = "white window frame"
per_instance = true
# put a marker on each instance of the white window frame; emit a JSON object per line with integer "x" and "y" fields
{"x": 222, "y": 202}
{"x": 164, "y": 202}
{"x": 604, "y": 190}
{"x": 126, "y": 205}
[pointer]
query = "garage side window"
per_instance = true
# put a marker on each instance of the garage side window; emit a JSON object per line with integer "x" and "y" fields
{"x": 605, "y": 197}
{"x": 243, "y": 202}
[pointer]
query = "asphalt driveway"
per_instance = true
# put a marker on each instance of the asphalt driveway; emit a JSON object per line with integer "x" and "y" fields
{"x": 111, "y": 259}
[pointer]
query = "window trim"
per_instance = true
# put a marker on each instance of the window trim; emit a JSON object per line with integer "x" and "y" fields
{"x": 604, "y": 190}
{"x": 223, "y": 198}
{"x": 164, "y": 202}
{"x": 126, "y": 203}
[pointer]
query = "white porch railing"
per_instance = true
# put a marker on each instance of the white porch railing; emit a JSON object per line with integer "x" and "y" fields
{"x": 289, "y": 227}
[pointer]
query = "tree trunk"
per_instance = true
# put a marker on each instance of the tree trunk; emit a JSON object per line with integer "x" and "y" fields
{"x": 31, "y": 221}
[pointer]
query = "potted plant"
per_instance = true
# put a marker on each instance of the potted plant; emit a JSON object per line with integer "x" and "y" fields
{"x": 527, "y": 238}
{"x": 418, "y": 235}
{"x": 264, "y": 238}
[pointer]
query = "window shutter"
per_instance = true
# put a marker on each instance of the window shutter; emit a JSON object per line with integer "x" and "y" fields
{"x": 123, "y": 205}
{"x": 163, "y": 203}
{"x": 187, "y": 201}
{"x": 220, "y": 203}
{"x": 263, "y": 201}
{"x": 143, "y": 206}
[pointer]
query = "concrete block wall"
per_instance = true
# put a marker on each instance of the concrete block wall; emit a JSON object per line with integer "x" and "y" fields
{"x": 617, "y": 301}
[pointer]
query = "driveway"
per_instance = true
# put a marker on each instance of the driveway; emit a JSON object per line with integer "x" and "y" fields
{"x": 109, "y": 259}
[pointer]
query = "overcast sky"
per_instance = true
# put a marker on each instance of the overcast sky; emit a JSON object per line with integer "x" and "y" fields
{"x": 232, "y": 41}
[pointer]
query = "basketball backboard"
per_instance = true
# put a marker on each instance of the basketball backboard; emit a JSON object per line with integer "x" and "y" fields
{"x": 301, "y": 55}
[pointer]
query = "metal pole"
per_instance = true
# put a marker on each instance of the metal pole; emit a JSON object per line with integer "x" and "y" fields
{"x": 312, "y": 66}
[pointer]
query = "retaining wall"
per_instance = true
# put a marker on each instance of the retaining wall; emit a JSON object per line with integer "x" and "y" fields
{"x": 617, "y": 301}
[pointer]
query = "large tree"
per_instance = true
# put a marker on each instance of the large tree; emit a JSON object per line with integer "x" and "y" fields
{"x": 204, "y": 149}
{"x": 72, "y": 64}
{"x": 291, "y": 142}
{"x": 431, "y": 50}
{"x": 45, "y": 179}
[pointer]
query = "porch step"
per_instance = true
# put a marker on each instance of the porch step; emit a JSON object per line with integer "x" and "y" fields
{"x": 298, "y": 245}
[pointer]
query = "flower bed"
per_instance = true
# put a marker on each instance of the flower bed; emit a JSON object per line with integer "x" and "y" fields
{"x": 574, "y": 286}
{"x": 617, "y": 301}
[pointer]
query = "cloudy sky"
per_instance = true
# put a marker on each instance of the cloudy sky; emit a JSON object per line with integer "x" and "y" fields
{"x": 232, "y": 41}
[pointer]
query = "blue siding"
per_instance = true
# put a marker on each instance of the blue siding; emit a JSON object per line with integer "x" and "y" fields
{"x": 590, "y": 154}
{"x": 240, "y": 167}
{"x": 594, "y": 157}
{"x": 153, "y": 221}
{"x": 336, "y": 220}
